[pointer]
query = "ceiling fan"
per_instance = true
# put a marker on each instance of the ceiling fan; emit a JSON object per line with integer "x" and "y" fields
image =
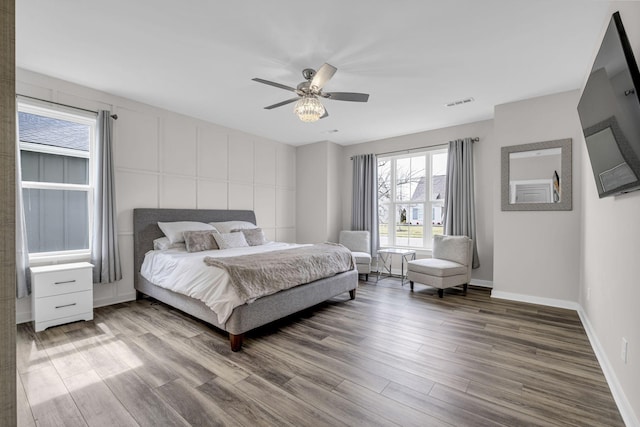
{"x": 308, "y": 107}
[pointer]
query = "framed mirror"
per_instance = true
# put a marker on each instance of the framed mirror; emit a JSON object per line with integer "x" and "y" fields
{"x": 537, "y": 176}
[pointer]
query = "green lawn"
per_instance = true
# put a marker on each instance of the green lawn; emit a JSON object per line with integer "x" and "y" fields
{"x": 413, "y": 231}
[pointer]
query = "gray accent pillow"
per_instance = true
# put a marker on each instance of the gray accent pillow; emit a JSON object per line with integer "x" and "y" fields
{"x": 254, "y": 236}
{"x": 230, "y": 240}
{"x": 198, "y": 241}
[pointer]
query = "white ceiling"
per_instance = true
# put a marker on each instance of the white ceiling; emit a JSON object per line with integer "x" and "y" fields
{"x": 197, "y": 57}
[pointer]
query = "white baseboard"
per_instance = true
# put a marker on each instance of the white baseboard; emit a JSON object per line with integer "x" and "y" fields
{"x": 551, "y": 302}
{"x": 626, "y": 411}
{"x": 26, "y": 316}
{"x": 625, "y": 408}
{"x": 481, "y": 283}
{"x": 114, "y": 300}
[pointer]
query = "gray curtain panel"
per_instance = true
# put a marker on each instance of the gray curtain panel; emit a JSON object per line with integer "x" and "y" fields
{"x": 23, "y": 279}
{"x": 364, "y": 206}
{"x": 459, "y": 204}
{"x": 105, "y": 255}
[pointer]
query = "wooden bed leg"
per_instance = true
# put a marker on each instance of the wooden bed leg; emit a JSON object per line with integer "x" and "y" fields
{"x": 441, "y": 293}
{"x": 139, "y": 295}
{"x": 411, "y": 284}
{"x": 236, "y": 341}
{"x": 464, "y": 288}
{"x": 352, "y": 294}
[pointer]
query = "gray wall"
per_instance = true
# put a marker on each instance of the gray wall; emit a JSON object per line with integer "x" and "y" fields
{"x": 7, "y": 217}
{"x": 537, "y": 252}
{"x": 312, "y": 197}
{"x": 319, "y": 196}
{"x": 609, "y": 270}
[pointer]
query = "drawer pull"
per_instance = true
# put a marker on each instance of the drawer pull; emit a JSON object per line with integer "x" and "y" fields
{"x": 66, "y": 305}
{"x": 66, "y": 281}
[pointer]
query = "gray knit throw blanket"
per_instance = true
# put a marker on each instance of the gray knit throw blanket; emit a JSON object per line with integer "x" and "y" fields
{"x": 254, "y": 276}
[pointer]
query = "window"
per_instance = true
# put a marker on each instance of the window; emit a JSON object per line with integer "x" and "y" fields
{"x": 55, "y": 160}
{"x": 411, "y": 198}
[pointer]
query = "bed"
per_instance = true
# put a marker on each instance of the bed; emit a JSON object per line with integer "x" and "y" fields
{"x": 244, "y": 317}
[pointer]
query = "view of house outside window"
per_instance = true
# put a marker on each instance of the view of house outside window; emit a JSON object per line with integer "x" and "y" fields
{"x": 411, "y": 189}
{"x": 55, "y": 161}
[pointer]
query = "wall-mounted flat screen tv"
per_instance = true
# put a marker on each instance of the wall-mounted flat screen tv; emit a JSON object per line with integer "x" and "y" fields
{"x": 609, "y": 111}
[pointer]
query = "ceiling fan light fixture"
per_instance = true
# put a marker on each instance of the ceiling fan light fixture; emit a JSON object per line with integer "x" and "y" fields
{"x": 309, "y": 109}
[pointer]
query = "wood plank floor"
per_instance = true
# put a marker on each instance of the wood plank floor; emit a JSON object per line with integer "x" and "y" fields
{"x": 389, "y": 357}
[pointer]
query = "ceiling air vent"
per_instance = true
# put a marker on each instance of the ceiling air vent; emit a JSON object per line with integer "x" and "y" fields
{"x": 459, "y": 102}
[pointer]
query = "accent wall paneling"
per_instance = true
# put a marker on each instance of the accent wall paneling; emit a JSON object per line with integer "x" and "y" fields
{"x": 136, "y": 140}
{"x": 241, "y": 162}
{"x": 128, "y": 200}
{"x": 212, "y": 153}
{"x": 125, "y": 286}
{"x": 177, "y": 191}
{"x": 179, "y": 144}
{"x": 265, "y": 205}
{"x": 164, "y": 159}
{"x": 286, "y": 167}
{"x": 265, "y": 155}
{"x": 241, "y": 196}
{"x": 212, "y": 194}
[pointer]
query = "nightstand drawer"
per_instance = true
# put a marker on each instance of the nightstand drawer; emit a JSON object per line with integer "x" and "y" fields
{"x": 47, "y": 281}
{"x": 62, "y": 306}
{"x": 62, "y": 293}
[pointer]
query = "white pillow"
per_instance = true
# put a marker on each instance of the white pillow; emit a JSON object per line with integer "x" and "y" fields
{"x": 163, "y": 243}
{"x": 227, "y": 226}
{"x": 230, "y": 240}
{"x": 174, "y": 230}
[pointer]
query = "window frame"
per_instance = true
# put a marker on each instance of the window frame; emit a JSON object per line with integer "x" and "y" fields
{"x": 70, "y": 115}
{"x": 427, "y": 204}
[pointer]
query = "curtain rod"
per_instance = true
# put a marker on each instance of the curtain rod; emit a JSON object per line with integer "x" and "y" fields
{"x": 113, "y": 116}
{"x": 409, "y": 150}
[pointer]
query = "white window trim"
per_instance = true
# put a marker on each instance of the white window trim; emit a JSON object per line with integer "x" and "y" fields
{"x": 48, "y": 149}
{"x": 428, "y": 203}
{"x": 55, "y": 186}
{"x": 77, "y": 116}
{"x": 45, "y": 258}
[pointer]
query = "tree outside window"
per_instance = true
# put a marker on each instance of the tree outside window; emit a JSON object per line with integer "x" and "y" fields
{"x": 409, "y": 186}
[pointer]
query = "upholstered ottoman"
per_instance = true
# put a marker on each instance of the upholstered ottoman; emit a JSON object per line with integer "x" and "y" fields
{"x": 450, "y": 265}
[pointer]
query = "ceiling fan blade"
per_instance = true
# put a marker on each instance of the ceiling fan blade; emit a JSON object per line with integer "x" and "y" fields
{"x": 267, "y": 82}
{"x": 347, "y": 96}
{"x": 326, "y": 114}
{"x": 280, "y": 104}
{"x": 322, "y": 76}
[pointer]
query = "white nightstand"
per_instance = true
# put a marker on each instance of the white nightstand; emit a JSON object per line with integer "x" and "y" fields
{"x": 61, "y": 293}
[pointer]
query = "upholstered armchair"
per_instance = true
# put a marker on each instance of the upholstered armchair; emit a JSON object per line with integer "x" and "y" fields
{"x": 450, "y": 265}
{"x": 358, "y": 242}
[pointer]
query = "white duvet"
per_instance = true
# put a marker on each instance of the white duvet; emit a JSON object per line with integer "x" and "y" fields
{"x": 186, "y": 273}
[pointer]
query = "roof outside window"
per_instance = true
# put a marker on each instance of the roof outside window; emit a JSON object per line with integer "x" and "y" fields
{"x": 53, "y": 132}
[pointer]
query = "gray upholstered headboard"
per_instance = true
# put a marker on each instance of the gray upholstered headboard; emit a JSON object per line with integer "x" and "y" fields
{"x": 145, "y": 226}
